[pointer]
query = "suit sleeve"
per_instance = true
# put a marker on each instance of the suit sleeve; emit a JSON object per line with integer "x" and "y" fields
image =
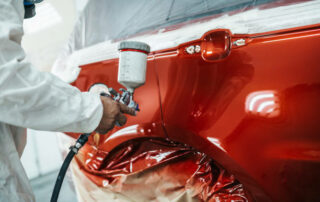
{"x": 33, "y": 99}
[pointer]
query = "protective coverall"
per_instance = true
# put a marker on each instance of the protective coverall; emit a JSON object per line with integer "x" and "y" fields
{"x": 31, "y": 99}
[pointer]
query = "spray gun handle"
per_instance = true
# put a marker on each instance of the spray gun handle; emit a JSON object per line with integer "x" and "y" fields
{"x": 115, "y": 95}
{"x": 125, "y": 98}
{"x": 111, "y": 90}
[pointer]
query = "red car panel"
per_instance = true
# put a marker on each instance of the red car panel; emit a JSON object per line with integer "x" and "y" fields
{"x": 202, "y": 104}
{"x": 279, "y": 154}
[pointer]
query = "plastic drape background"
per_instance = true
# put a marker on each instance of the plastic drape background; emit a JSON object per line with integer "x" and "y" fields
{"x": 106, "y": 22}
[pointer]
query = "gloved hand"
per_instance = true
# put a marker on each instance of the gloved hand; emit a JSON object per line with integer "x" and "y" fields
{"x": 113, "y": 112}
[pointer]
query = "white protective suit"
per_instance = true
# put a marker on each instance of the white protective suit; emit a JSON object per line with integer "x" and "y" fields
{"x": 31, "y": 99}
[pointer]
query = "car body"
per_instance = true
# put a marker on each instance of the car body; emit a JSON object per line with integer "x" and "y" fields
{"x": 204, "y": 101}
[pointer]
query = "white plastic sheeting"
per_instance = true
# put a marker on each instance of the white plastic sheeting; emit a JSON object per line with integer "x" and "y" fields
{"x": 104, "y": 23}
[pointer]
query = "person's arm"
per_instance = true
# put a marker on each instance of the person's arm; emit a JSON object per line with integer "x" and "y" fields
{"x": 32, "y": 99}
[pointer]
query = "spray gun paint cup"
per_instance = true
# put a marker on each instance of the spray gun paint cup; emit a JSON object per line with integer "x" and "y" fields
{"x": 132, "y": 64}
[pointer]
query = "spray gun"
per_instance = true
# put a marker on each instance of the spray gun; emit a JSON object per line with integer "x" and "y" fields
{"x": 132, "y": 71}
{"x": 125, "y": 98}
{"x": 131, "y": 74}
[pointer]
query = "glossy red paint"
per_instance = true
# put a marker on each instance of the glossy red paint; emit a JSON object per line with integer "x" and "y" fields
{"x": 215, "y": 45}
{"x": 202, "y": 104}
{"x": 214, "y": 95}
{"x": 263, "y": 104}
